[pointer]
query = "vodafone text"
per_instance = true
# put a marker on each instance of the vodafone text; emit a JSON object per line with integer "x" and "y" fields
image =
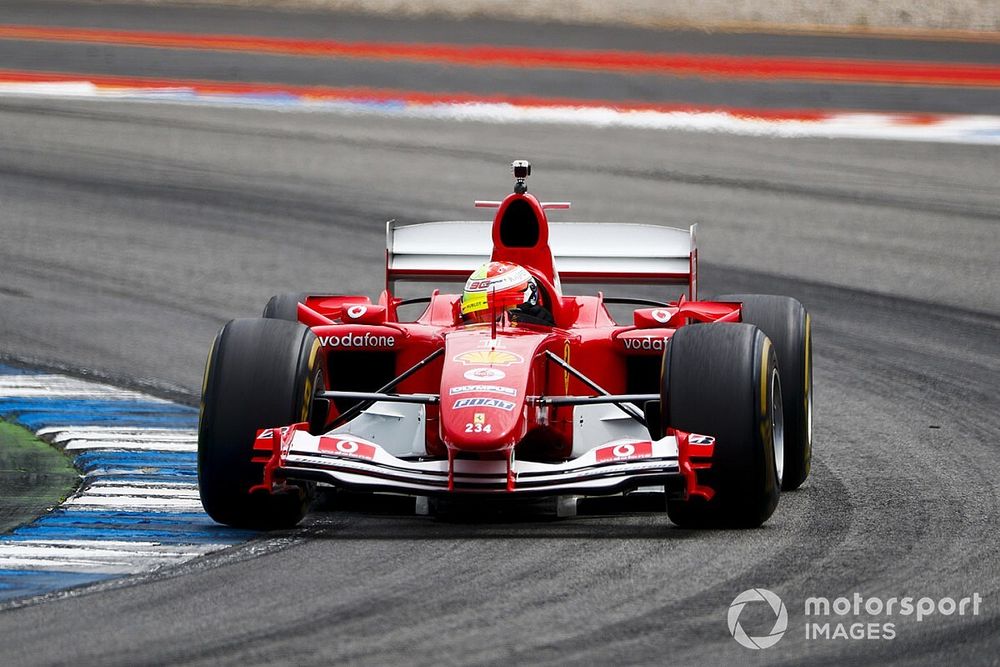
{"x": 358, "y": 340}
{"x": 644, "y": 343}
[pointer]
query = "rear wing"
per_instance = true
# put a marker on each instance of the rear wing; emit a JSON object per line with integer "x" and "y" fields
{"x": 583, "y": 252}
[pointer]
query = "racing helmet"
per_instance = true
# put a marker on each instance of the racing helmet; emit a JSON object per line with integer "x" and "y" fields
{"x": 495, "y": 288}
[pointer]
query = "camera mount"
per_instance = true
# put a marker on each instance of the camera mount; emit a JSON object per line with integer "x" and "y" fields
{"x": 521, "y": 170}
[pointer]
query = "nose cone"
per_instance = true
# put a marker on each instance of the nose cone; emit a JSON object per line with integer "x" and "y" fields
{"x": 483, "y": 389}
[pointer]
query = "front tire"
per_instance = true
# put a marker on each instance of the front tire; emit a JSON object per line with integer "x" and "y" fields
{"x": 785, "y": 321}
{"x": 722, "y": 380}
{"x": 260, "y": 373}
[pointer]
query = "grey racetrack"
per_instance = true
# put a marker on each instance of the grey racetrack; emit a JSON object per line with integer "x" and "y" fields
{"x": 130, "y": 232}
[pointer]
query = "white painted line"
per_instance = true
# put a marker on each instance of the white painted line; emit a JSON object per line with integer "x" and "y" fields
{"x": 181, "y": 437}
{"x": 113, "y": 472}
{"x": 61, "y": 433}
{"x": 92, "y": 550}
{"x": 71, "y": 565}
{"x": 131, "y": 445}
{"x": 967, "y": 129}
{"x": 975, "y": 129}
{"x": 130, "y": 503}
{"x": 100, "y": 545}
{"x": 97, "y": 555}
{"x": 106, "y": 490}
{"x": 69, "y": 89}
{"x": 60, "y": 386}
{"x": 179, "y": 485}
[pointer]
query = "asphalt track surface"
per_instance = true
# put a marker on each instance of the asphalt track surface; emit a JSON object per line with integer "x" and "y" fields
{"x": 131, "y": 232}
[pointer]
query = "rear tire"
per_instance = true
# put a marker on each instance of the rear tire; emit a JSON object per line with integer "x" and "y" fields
{"x": 260, "y": 373}
{"x": 722, "y": 380}
{"x": 285, "y": 306}
{"x": 785, "y": 321}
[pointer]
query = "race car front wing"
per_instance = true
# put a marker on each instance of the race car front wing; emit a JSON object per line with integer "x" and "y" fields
{"x": 350, "y": 462}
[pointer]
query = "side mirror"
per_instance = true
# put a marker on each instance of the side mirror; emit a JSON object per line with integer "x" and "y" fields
{"x": 363, "y": 313}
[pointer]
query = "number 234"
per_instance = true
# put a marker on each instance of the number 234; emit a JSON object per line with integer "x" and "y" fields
{"x": 478, "y": 428}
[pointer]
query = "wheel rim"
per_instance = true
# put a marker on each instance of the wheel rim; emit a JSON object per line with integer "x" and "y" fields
{"x": 777, "y": 426}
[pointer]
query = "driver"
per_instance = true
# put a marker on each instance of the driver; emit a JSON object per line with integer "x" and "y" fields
{"x": 503, "y": 287}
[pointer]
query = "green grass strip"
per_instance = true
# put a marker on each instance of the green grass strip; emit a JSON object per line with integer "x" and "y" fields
{"x": 34, "y": 476}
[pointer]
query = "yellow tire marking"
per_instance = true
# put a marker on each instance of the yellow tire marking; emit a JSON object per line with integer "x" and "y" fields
{"x": 204, "y": 381}
{"x": 307, "y": 397}
{"x": 765, "y": 423}
{"x": 313, "y": 353}
{"x": 765, "y": 353}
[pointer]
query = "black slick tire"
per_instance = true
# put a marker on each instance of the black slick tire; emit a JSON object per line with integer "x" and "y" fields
{"x": 260, "y": 373}
{"x": 785, "y": 321}
{"x": 285, "y": 306}
{"x": 722, "y": 380}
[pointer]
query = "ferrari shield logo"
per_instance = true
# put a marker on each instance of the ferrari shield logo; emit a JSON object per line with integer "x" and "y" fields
{"x": 489, "y": 358}
{"x": 479, "y": 418}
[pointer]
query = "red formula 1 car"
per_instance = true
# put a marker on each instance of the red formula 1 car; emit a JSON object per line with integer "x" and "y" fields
{"x": 707, "y": 403}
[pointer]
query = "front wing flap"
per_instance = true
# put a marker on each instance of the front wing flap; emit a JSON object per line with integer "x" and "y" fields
{"x": 348, "y": 461}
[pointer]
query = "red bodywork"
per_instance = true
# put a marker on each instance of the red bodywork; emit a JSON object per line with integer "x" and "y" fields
{"x": 489, "y": 379}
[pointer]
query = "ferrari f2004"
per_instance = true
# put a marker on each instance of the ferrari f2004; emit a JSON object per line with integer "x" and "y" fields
{"x": 513, "y": 386}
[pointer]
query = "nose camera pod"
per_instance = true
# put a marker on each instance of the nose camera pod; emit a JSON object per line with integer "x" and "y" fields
{"x": 521, "y": 169}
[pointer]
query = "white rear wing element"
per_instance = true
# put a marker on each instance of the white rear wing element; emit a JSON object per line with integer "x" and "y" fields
{"x": 583, "y": 252}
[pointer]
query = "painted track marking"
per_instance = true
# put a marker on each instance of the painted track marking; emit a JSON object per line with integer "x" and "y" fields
{"x": 137, "y": 508}
{"x": 947, "y": 128}
{"x": 705, "y": 65}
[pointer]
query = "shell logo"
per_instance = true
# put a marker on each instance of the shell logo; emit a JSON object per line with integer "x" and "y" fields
{"x": 489, "y": 358}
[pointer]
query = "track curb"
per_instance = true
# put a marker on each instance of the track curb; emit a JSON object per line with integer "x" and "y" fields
{"x": 137, "y": 508}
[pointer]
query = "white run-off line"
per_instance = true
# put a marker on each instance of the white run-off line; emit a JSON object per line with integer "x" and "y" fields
{"x": 946, "y": 128}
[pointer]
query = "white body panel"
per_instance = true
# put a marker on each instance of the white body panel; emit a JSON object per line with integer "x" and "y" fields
{"x": 577, "y": 247}
{"x": 397, "y": 427}
{"x": 594, "y": 424}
